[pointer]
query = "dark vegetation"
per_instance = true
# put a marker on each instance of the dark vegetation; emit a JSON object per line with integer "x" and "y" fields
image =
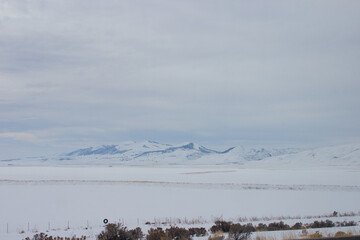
{"x": 119, "y": 232}
{"x": 277, "y": 226}
{"x": 44, "y": 236}
{"x": 235, "y": 231}
{"x": 240, "y": 232}
{"x": 197, "y": 232}
{"x": 175, "y": 233}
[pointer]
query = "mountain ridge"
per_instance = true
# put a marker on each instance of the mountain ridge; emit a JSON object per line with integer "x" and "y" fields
{"x": 116, "y": 149}
{"x": 151, "y": 153}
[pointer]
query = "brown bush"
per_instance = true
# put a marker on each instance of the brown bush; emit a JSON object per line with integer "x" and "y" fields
{"x": 317, "y": 234}
{"x": 276, "y": 226}
{"x": 321, "y": 224}
{"x": 198, "y": 232}
{"x": 342, "y": 234}
{"x": 240, "y": 232}
{"x": 216, "y": 237}
{"x": 44, "y": 236}
{"x": 297, "y": 226}
{"x": 156, "y": 234}
{"x": 119, "y": 232}
{"x": 176, "y": 233}
{"x": 221, "y": 226}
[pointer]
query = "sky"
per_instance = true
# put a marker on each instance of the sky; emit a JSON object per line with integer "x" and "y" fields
{"x": 76, "y": 73}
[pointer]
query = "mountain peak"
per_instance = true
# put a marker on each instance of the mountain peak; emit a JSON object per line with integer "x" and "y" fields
{"x": 146, "y": 148}
{"x": 189, "y": 145}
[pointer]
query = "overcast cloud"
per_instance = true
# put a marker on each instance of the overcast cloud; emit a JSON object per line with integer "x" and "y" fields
{"x": 77, "y": 73}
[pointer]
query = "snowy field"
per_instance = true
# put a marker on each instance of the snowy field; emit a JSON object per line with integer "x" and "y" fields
{"x": 55, "y": 198}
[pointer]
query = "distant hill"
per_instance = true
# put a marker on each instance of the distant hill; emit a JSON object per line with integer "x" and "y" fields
{"x": 150, "y": 153}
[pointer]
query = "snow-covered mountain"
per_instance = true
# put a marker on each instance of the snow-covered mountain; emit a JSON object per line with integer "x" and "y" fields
{"x": 335, "y": 157}
{"x": 136, "y": 150}
{"x": 143, "y": 153}
{"x": 151, "y": 153}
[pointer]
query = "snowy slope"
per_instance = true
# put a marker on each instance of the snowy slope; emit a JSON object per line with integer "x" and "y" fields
{"x": 143, "y": 153}
{"x": 342, "y": 156}
{"x": 150, "y": 153}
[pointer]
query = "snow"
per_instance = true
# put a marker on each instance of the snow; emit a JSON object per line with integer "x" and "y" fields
{"x": 168, "y": 186}
{"x": 150, "y": 153}
{"x": 335, "y": 157}
{"x": 86, "y": 195}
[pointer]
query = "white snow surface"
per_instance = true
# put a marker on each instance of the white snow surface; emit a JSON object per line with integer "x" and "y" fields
{"x": 50, "y": 195}
{"x": 82, "y": 196}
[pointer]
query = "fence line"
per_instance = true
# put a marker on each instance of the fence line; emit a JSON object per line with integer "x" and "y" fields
{"x": 28, "y": 227}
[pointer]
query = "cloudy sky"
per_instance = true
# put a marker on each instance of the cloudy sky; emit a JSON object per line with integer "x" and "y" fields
{"x": 75, "y": 73}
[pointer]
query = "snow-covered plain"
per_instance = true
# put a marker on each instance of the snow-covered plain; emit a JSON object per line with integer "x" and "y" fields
{"x": 52, "y": 198}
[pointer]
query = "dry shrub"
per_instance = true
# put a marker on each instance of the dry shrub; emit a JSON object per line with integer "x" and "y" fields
{"x": 221, "y": 225}
{"x": 156, "y": 234}
{"x": 198, "y": 232}
{"x": 43, "y": 236}
{"x": 343, "y": 234}
{"x": 317, "y": 234}
{"x": 276, "y": 226}
{"x": 240, "y": 232}
{"x": 216, "y": 237}
{"x": 177, "y": 233}
{"x": 219, "y": 233}
{"x": 321, "y": 224}
{"x": 297, "y": 226}
{"x": 119, "y": 232}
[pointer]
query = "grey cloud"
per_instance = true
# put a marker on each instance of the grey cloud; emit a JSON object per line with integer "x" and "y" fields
{"x": 203, "y": 70}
